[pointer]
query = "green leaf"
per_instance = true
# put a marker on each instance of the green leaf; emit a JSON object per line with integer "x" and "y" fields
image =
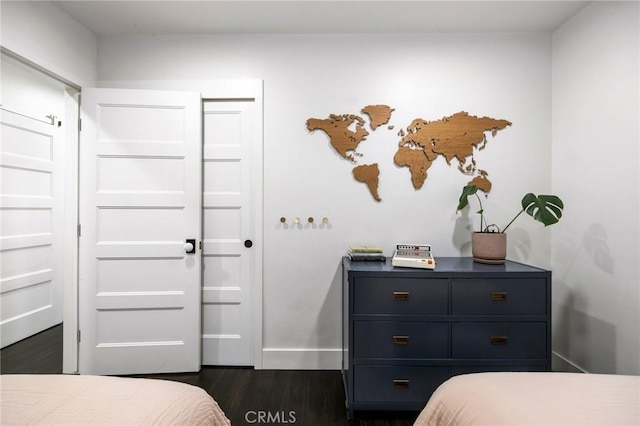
{"x": 546, "y": 209}
{"x": 466, "y": 191}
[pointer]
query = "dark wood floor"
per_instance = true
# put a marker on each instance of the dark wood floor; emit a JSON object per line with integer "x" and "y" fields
{"x": 39, "y": 354}
{"x": 306, "y": 397}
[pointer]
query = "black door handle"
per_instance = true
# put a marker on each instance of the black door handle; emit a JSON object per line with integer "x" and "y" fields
{"x": 190, "y": 246}
{"x": 248, "y": 243}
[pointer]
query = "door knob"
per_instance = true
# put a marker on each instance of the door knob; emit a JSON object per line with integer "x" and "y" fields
{"x": 190, "y": 246}
{"x": 248, "y": 243}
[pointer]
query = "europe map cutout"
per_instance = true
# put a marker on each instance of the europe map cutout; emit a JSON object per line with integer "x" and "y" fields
{"x": 422, "y": 143}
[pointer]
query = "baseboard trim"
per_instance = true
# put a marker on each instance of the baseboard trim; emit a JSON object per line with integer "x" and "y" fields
{"x": 301, "y": 359}
{"x": 562, "y": 364}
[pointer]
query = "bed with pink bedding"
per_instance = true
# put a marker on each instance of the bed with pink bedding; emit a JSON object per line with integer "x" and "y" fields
{"x": 534, "y": 399}
{"x": 98, "y": 400}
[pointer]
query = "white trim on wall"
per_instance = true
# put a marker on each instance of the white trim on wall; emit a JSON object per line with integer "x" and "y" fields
{"x": 302, "y": 359}
{"x": 11, "y": 54}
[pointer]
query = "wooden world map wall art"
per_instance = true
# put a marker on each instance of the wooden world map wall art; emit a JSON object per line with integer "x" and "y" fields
{"x": 422, "y": 143}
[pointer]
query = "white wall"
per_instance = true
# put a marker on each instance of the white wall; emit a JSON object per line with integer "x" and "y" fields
{"x": 595, "y": 166}
{"x": 46, "y": 36}
{"x": 29, "y": 92}
{"x": 595, "y": 148}
{"x": 501, "y": 76}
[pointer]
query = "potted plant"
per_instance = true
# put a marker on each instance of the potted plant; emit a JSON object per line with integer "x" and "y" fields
{"x": 489, "y": 244}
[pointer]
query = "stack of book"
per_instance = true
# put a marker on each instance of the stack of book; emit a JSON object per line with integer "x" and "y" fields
{"x": 362, "y": 253}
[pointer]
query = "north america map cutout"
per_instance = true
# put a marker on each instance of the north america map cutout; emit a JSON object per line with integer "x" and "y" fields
{"x": 423, "y": 142}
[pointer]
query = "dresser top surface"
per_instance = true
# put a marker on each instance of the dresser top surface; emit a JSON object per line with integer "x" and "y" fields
{"x": 443, "y": 264}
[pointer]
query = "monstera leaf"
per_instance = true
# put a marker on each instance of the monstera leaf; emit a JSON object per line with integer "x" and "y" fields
{"x": 466, "y": 192}
{"x": 463, "y": 202}
{"x": 546, "y": 209}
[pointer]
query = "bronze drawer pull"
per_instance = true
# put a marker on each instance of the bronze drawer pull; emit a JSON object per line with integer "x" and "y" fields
{"x": 499, "y": 296}
{"x": 400, "y": 295}
{"x": 498, "y": 340}
{"x": 400, "y": 384}
{"x": 400, "y": 340}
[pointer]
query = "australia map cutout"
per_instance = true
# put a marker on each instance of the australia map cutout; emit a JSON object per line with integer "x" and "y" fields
{"x": 455, "y": 137}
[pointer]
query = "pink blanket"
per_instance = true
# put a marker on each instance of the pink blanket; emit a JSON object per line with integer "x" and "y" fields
{"x": 97, "y": 400}
{"x": 534, "y": 399}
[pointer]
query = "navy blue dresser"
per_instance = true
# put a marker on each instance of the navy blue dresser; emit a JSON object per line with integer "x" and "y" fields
{"x": 405, "y": 330}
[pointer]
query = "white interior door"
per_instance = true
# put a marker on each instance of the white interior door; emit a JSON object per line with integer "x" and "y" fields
{"x": 140, "y": 200}
{"x": 32, "y": 226}
{"x": 229, "y": 241}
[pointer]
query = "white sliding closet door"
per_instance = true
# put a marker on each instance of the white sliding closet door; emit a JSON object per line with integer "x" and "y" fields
{"x": 31, "y": 225}
{"x": 229, "y": 249}
{"x": 140, "y": 200}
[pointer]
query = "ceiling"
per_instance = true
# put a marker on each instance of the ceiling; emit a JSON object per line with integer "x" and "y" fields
{"x": 114, "y": 18}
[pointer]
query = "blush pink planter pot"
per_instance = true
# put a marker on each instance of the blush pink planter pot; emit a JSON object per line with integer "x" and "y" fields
{"x": 489, "y": 247}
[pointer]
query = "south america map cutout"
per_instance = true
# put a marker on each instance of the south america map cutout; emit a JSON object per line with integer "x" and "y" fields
{"x": 421, "y": 143}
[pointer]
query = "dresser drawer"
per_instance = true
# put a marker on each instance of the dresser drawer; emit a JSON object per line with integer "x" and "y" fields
{"x": 388, "y": 339}
{"x": 400, "y": 296}
{"x": 499, "y": 340}
{"x": 500, "y": 296}
{"x": 456, "y": 371}
{"x": 373, "y": 383}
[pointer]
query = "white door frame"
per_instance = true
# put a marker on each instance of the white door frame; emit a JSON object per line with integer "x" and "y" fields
{"x": 70, "y": 285}
{"x": 210, "y": 90}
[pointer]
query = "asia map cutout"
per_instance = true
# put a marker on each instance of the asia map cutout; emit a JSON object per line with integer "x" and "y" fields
{"x": 422, "y": 143}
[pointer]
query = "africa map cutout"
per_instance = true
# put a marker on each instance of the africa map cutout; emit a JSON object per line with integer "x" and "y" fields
{"x": 422, "y": 143}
